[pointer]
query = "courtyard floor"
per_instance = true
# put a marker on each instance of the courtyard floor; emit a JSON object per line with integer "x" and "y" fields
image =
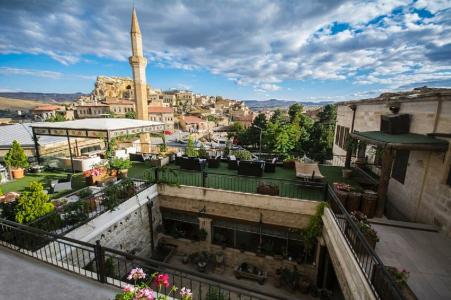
{"x": 227, "y": 275}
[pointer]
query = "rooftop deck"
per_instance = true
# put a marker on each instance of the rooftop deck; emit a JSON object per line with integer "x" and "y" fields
{"x": 223, "y": 178}
{"x": 425, "y": 254}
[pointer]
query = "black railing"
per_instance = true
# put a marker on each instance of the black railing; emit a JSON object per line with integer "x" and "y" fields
{"x": 112, "y": 266}
{"x": 308, "y": 190}
{"x": 378, "y": 278}
{"x": 72, "y": 215}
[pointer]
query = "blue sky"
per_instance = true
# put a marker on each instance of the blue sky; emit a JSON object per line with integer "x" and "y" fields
{"x": 296, "y": 50}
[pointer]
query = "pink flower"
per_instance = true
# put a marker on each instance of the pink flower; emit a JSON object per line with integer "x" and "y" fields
{"x": 163, "y": 279}
{"x": 186, "y": 293}
{"x": 144, "y": 294}
{"x": 128, "y": 289}
{"x": 136, "y": 273}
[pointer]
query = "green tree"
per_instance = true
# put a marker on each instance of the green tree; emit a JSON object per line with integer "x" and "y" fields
{"x": 294, "y": 111}
{"x": 58, "y": 117}
{"x": 130, "y": 115}
{"x": 202, "y": 151}
{"x": 277, "y": 116}
{"x": 33, "y": 203}
{"x": 16, "y": 158}
{"x": 190, "y": 150}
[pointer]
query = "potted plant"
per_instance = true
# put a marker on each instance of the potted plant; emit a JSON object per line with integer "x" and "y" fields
{"x": 365, "y": 228}
{"x": 202, "y": 234}
{"x": 121, "y": 165}
{"x": 16, "y": 160}
{"x": 242, "y": 155}
{"x": 268, "y": 189}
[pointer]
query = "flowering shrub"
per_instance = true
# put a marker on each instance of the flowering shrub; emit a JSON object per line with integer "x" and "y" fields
{"x": 150, "y": 289}
{"x": 400, "y": 277}
{"x": 343, "y": 186}
{"x": 362, "y": 223}
{"x": 92, "y": 172}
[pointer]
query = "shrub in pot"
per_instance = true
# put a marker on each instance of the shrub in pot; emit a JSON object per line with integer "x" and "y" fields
{"x": 121, "y": 165}
{"x": 16, "y": 160}
{"x": 242, "y": 155}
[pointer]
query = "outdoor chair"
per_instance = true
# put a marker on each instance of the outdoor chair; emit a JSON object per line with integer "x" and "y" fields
{"x": 308, "y": 171}
{"x": 232, "y": 163}
{"x": 193, "y": 163}
{"x": 136, "y": 157}
{"x": 251, "y": 167}
{"x": 214, "y": 162}
{"x": 270, "y": 165}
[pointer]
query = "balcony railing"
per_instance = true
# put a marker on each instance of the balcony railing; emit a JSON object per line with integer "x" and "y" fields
{"x": 111, "y": 266}
{"x": 72, "y": 215}
{"x": 308, "y": 190}
{"x": 380, "y": 281}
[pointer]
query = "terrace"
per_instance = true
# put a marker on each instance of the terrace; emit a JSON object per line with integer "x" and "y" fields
{"x": 222, "y": 177}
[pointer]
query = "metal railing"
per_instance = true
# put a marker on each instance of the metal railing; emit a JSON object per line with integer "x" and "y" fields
{"x": 72, "y": 215}
{"x": 111, "y": 266}
{"x": 308, "y": 190}
{"x": 378, "y": 278}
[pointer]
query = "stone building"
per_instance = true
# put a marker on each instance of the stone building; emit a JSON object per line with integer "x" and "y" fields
{"x": 193, "y": 124}
{"x": 119, "y": 107}
{"x": 44, "y": 112}
{"x": 92, "y": 110}
{"x": 162, "y": 114}
{"x": 417, "y": 179}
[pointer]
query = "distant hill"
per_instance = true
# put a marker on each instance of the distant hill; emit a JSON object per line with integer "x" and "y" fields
{"x": 44, "y": 97}
{"x": 16, "y": 104}
{"x": 275, "y": 103}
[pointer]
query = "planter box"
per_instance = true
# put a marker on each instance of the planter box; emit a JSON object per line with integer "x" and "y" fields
{"x": 159, "y": 162}
{"x": 353, "y": 201}
{"x": 369, "y": 202}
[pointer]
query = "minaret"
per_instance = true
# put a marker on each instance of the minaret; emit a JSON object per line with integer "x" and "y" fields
{"x": 138, "y": 63}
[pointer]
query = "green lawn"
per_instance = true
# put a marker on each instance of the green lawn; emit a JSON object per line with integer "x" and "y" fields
{"x": 45, "y": 178}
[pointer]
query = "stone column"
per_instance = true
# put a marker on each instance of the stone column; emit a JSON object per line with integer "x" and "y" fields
{"x": 205, "y": 223}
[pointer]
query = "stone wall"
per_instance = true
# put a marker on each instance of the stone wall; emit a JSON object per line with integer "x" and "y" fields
{"x": 275, "y": 210}
{"x": 126, "y": 228}
{"x": 424, "y": 197}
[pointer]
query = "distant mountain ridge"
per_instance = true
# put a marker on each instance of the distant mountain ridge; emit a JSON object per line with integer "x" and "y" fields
{"x": 43, "y": 97}
{"x": 276, "y": 103}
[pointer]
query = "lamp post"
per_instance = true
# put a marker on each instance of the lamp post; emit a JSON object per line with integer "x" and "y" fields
{"x": 260, "y": 150}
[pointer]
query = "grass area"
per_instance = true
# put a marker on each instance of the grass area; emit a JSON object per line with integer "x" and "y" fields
{"x": 45, "y": 177}
{"x": 333, "y": 174}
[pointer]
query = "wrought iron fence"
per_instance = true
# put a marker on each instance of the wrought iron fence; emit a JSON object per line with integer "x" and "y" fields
{"x": 111, "y": 266}
{"x": 310, "y": 190}
{"x": 380, "y": 281}
{"x": 74, "y": 214}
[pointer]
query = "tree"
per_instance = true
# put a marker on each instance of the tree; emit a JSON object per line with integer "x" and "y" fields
{"x": 33, "y": 203}
{"x": 295, "y": 111}
{"x": 130, "y": 115}
{"x": 16, "y": 158}
{"x": 202, "y": 151}
{"x": 277, "y": 116}
{"x": 57, "y": 117}
{"x": 190, "y": 151}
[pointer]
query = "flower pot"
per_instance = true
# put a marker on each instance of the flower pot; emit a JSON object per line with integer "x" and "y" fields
{"x": 346, "y": 173}
{"x": 353, "y": 202}
{"x": 18, "y": 173}
{"x": 123, "y": 173}
{"x": 369, "y": 202}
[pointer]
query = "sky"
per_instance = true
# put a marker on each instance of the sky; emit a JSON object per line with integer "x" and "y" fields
{"x": 319, "y": 50}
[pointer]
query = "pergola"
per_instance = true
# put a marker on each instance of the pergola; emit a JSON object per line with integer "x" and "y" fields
{"x": 102, "y": 128}
{"x": 390, "y": 143}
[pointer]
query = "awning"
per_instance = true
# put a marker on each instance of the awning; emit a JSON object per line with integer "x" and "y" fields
{"x": 96, "y": 128}
{"x": 406, "y": 141}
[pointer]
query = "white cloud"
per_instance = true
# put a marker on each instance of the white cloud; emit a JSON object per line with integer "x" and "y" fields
{"x": 29, "y": 72}
{"x": 254, "y": 43}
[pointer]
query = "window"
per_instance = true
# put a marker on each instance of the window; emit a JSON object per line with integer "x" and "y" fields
{"x": 400, "y": 165}
{"x": 341, "y": 136}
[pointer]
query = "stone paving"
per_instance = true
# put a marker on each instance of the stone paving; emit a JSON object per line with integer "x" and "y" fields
{"x": 426, "y": 255}
{"x": 24, "y": 278}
